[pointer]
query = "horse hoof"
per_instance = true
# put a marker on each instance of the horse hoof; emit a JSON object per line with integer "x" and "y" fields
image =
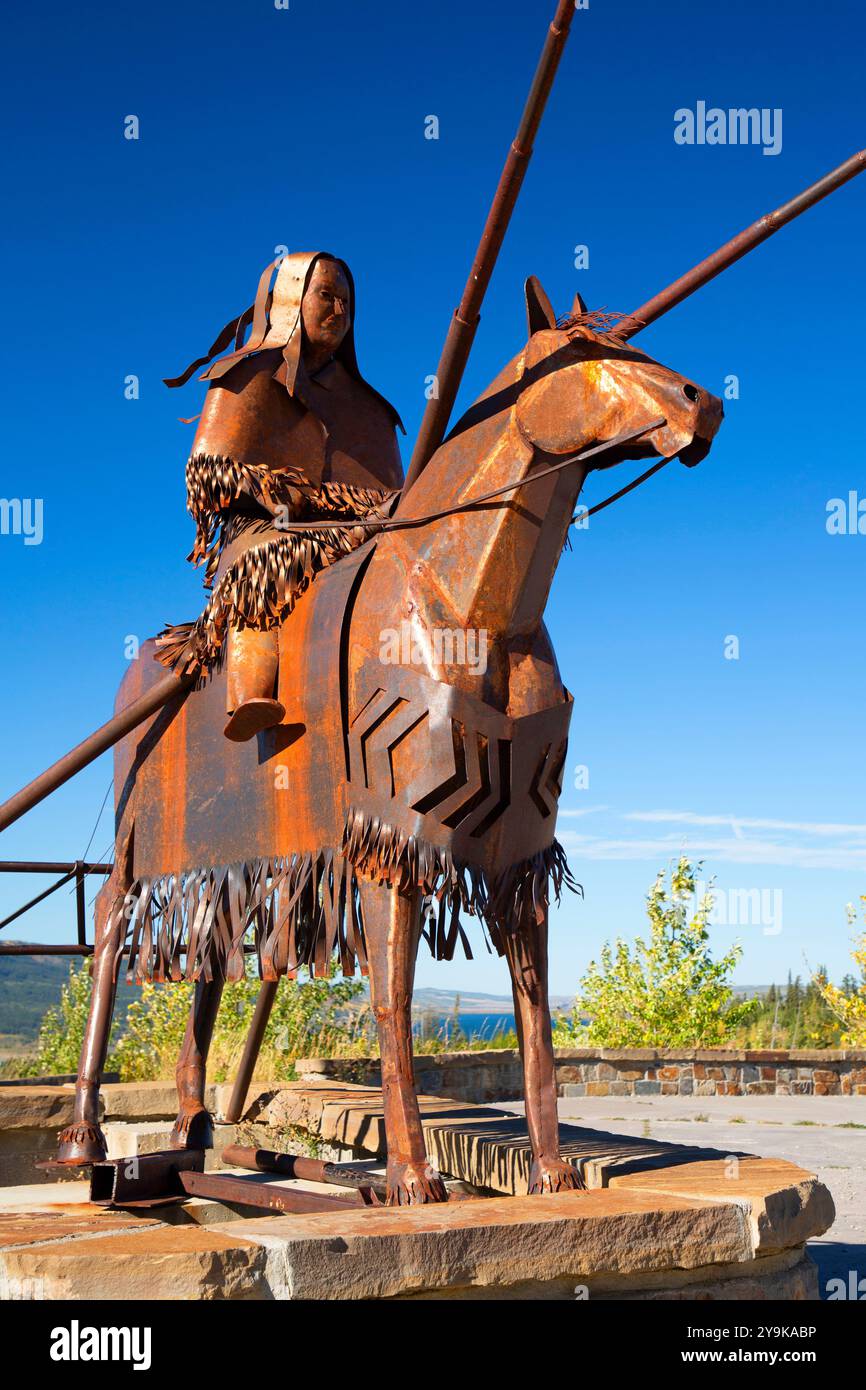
{"x": 81, "y": 1143}
{"x": 252, "y": 717}
{"x": 413, "y": 1184}
{"x": 555, "y": 1177}
{"x": 192, "y": 1131}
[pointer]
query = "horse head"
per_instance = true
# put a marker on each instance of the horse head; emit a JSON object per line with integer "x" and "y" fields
{"x": 582, "y": 384}
{"x": 574, "y": 386}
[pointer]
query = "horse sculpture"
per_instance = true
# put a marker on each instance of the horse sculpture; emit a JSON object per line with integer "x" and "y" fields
{"x": 405, "y": 790}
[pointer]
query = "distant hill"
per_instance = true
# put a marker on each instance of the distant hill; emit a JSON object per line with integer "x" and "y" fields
{"x": 442, "y": 1001}
{"x": 31, "y": 984}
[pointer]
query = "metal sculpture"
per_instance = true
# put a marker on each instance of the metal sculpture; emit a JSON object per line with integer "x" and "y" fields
{"x": 367, "y": 795}
{"x": 395, "y": 798}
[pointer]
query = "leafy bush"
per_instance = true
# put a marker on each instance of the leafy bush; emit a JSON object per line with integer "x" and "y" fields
{"x": 309, "y": 1018}
{"x": 666, "y": 991}
{"x": 796, "y": 1016}
{"x": 848, "y": 1004}
{"x": 61, "y": 1032}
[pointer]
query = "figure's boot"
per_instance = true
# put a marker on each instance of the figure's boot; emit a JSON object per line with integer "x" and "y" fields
{"x": 83, "y": 1140}
{"x": 193, "y": 1128}
{"x": 252, "y": 660}
{"x": 392, "y": 927}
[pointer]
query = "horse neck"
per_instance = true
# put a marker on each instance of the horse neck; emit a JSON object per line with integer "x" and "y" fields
{"x": 489, "y": 568}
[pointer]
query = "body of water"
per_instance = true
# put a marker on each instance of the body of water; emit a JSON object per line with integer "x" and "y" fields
{"x": 474, "y": 1026}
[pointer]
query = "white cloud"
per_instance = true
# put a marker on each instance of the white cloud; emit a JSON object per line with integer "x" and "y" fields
{"x": 828, "y": 828}
{"x": 718, "y": 850}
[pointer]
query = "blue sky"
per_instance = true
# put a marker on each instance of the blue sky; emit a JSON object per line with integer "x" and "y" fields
{"x": 305, "y": 127}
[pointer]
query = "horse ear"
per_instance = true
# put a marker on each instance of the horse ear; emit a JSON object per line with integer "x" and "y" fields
{"x": 539, "y": 310}
{"x": 579, "y": 305}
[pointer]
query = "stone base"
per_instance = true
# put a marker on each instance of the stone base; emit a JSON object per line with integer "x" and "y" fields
{"x": 658, "y": 1221}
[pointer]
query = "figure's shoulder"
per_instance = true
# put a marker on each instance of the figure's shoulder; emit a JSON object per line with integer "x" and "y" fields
{"x": 375, "y": 404}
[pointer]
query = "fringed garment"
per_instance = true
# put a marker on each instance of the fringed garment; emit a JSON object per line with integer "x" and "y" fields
{"x": 382, "y": 775}
{"x": 302, "y": 910}
{"x": 256, "y": 570}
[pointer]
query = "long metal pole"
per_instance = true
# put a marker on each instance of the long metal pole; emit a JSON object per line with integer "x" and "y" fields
{"x": 296, "y": 1166}
{"x": 41, "y": 866}
{"x": 222, "y": 1187}
{"x": 454, "y": 358}
{"x": 92, "y": 747}
{"x": 252, "y": 1047}
{"x": 461, "y": 333}
{"x": 744, "y": 242}
{"x": 33, "y": 948}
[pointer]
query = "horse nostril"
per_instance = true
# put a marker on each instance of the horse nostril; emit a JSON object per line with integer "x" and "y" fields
{"x": 691, "y": 393}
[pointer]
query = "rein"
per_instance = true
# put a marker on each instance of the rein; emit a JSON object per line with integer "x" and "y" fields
{"x": 397, "y": 523}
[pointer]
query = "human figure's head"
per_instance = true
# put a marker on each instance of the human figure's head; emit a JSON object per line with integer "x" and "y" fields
{"x": 325, "y": 311}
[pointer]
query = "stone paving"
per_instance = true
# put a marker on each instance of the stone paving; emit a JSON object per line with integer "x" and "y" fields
{"x": 659, "y": 1219}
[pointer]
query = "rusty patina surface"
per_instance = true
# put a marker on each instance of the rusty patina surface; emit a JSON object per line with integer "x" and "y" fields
{"x": 406, "y": 789}
{"x": 290, "y": 430}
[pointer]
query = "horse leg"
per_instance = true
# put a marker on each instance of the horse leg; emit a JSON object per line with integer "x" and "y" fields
{"x": 392, "y": 927}
{"x": 526, "y": 952}
{"x": 193, "y": 1128}
{"x": 83, "y": 1140}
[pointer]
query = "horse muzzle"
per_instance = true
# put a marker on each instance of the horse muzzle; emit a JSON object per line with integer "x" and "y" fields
{"x": 710, "y": 414}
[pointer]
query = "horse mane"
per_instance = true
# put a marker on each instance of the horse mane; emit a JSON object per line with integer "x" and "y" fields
{"x": 608, "y": 323}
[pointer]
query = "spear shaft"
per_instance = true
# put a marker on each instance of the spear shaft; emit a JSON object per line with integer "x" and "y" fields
{"x": 744, "y": 242}
{"x": 117, "y": 728}
{"x": 461, "y": 334}
{"x": 171, "y": 686}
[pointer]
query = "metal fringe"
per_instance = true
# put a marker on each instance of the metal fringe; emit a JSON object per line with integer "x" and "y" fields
{"x": 515, "y": 899}
{"x": 214, "y": 483}
{"x": 259, "y": 589}
{"x": 304, "y": 908}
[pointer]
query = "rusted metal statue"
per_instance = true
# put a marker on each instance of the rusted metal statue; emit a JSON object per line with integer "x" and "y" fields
{"x": 396, "y": 797}
{"x": 371, "y": 791}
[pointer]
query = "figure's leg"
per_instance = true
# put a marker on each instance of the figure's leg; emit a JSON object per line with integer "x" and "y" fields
{"x": 83, "y": 1140}
{"x": 526, "y": 952}
{"x": 392, "y": 928}
{"x": 252, "y": 660}
{"x": 193, "y": 1128}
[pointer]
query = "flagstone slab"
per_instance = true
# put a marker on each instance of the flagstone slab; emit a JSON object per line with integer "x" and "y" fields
{"x": 657, "y": 1220}
{"x": 786, "y": 1205}
{"x": 150, "y": 1261}
{"x": 36, "y": 1107}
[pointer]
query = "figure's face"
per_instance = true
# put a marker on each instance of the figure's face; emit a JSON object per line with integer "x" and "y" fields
{"x": 325, "y": 307}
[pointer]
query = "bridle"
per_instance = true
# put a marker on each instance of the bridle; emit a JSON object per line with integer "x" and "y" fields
{"x": 404, "y": 523}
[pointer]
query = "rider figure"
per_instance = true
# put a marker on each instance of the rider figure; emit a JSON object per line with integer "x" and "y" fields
{"x": 290, "y": 431}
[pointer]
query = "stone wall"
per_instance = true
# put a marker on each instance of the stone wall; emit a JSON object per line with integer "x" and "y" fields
{"x": 585, "y": 1071}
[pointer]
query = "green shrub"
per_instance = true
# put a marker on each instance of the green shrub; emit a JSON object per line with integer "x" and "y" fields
{"x": 61, "y": 1032}
{"x": 309, "y": 1018}
{"x": 666, "y": 991}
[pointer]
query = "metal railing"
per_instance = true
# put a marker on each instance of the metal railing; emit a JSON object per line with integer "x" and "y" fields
{"x": 78, "y": 871}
